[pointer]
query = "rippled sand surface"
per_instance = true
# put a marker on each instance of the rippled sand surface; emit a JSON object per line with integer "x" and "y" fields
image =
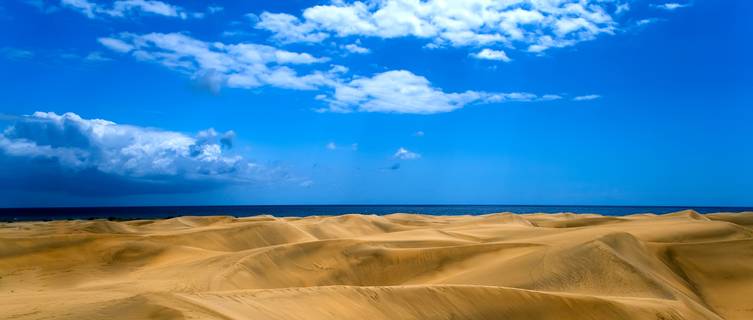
{"x": 682, "y": 265}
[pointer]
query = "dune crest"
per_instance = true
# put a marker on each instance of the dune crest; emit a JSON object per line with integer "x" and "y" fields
{"x": 682, "y": 265}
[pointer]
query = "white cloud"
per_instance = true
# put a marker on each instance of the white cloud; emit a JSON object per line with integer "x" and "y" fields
{"x": 671, "y": 6}
{"x": 288, "y": 28}
{"x": 396, "y": 91}
{"x": 124, "y": 8}
{"x": 405, "y": 154}
{"x": 331, "y": 146}
{"x": 451, "y": 22}
{"x": 643, "y": 22}
{"x": 243, "y": 65}
{"x": 115, "y": 44}
{"x": 80, "y": 144}
{"x": 247, "y": 65}
{"x": 400, "y": 91}
{"x": 622, "y": 8}
{"x": 354, "y": 48}
{"x": 489, "y": 54}
{"x": 419, "y": 133}
{"x": 587, "y": 97}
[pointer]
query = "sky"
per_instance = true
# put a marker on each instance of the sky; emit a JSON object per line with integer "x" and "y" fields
{"x": 587, "y": 102}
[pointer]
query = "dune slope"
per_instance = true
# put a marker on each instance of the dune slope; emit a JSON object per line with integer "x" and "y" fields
{"x": 682, "y": 265}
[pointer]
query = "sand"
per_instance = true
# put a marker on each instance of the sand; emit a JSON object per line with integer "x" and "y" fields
{"x": 682, "y": 265}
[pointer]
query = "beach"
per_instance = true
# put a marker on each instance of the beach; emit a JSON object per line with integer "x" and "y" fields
{"x": 682, "y": 265}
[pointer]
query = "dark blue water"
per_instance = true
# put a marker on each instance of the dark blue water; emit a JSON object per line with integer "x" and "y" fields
{"x": 126, "y": 213}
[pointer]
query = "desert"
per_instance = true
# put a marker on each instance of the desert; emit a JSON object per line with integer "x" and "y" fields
{"x": 682, "y": 265}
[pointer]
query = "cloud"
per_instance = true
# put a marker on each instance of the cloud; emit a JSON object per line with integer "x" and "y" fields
{"x": 242, "y": 65}
{"x": 247, "y": 65}
{"x": 489, "y": 54}
{"x": 42, "y": 5}
{"x": 622, "y": 8}
{"x": 400, "y": 91}
{"x": 287, "y": 28}
{"x": 96, "y": 56}
{"x": 647, "y": 21}
{"x": 419, "y": 133}
{"x": 671, "y": 6}
{"x": 331, "y": 146}
{"x": 215, "y": 9}
{"x": 405, "y": 154}
{"x": 11, "y": 53}
{"x": 587, "y": 97}
{"x": 354, "y": 48}
{"x": 543, "y": 24}
{"x": 141, "y": 160}
{"x": 126, "y": 8}
{"x": 115, "y": 44}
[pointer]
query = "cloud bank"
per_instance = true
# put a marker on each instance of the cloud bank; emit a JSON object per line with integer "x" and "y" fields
{"x": 534, "y": 25}
{"x": 140, "y": 160}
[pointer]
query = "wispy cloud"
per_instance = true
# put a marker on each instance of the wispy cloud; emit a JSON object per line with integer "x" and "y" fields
{"x": 128, "y": 8}
{"x": 243, "y": 65}
{"x": 15, "y": 53}
{"x": 587, "y": 97}
{"x": 671, "y": 6}
{"x": 405, "y": 154}
{"x": 248, "y": 65}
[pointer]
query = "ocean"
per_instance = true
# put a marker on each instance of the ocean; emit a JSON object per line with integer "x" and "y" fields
{"x": 129, "y": 213}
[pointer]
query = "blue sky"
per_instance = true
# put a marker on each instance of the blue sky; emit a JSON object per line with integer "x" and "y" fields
{"x": 140, "y": 102}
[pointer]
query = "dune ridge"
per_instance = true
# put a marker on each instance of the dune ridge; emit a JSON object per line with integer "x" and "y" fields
{"x": 682, "y": 265}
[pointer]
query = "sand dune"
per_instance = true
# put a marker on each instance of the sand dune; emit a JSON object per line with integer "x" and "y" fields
{"x": 682, "y": 265}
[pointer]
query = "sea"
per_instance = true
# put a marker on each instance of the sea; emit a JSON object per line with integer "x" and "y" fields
{"x": 155, "y": 212}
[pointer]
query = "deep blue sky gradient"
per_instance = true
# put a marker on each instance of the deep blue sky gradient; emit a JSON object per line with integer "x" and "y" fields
{"x": 673, "y": 126}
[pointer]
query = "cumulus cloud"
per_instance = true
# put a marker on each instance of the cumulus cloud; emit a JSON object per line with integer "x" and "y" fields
{"x": 354, "y": 48}
{"x": 543, "y": 24}
{"x": 400, "y": 91}
{"x": 287, "y": 28}
{"x": 405, "y": 154}
{"x": 331, "y": 146}
{"x": 125, "y": 8}
{"x": 242, "y": 65}
{"x": 587, "y": 97}
{"x": 145, "y": 159}
{"x": 489, "y": 54}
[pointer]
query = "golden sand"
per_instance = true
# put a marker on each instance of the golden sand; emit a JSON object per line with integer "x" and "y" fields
{"x": 401, "y": 266}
